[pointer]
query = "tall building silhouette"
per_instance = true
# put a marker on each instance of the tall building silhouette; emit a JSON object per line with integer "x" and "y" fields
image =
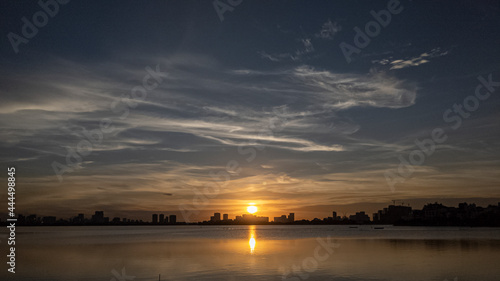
{"x": 155, "y": 218}
{"x": 334, "y": 215}
{"x": 98, "y": 217}
{"x": 225, "y": 217}
{"x": 173, "y": 219}
{"x": 162, "y": 218}
{"x": 215, "y": 217}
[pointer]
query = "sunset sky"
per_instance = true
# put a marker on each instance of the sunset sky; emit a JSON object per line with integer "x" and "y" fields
{"x": 266, "y": 91}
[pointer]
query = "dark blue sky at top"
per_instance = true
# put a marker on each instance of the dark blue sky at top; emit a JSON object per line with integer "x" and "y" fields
{"x": 94, "y": 45}
{"x": 88, "y": 30}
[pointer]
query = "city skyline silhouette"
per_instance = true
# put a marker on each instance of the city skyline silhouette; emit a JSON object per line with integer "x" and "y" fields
{"x": 432, "y": 214}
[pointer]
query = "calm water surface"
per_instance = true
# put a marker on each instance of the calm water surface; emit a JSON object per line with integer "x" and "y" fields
{"x": 295, "y": 253}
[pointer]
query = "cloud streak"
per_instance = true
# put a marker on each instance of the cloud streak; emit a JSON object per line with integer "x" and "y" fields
{"x": 414, "y": 61}
{"x": 197, "y": 118}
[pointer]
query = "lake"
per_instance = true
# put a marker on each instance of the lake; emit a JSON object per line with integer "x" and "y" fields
{"x": 263, "y": 252}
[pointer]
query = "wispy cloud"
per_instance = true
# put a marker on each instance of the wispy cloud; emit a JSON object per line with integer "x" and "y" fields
{"x": 343, "y": 91}
{"x": 198, "y": 117}
{"x": 328, "y": 30}
{"x": 306, "y": 48}
{"x": 413, "y": 61}
{"x": 277, "y": 57}
{"x": 221, "y": 105}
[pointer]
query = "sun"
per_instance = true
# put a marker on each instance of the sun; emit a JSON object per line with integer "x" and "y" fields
{"x": 251, "y": 209}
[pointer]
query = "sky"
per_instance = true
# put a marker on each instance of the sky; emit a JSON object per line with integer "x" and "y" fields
{"x": 196, "y": 107}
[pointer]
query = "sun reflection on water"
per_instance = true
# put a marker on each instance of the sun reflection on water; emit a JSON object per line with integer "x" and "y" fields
{"x": 252, "y": 241}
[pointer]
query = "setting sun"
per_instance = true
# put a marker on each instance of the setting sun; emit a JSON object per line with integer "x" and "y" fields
{"x": 251, "y": 209}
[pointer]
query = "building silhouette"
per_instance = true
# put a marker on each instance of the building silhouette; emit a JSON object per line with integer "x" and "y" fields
{"x": 335, "y": 217}
{"x": 360, "y": 218}
{"x": 79, "y": 219}
{"x": 173, "y": 219}
{"x": 216, "y": 217}
{"x": 284, "y": 219}
{"x": 251, "y": 219}
{"x": 392, "y": 214}
{"x": 49, "y": 220}
{"x": 432, "y": 214}
{"x": 98, "y": 217}
{"x": 281, "y": 219}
